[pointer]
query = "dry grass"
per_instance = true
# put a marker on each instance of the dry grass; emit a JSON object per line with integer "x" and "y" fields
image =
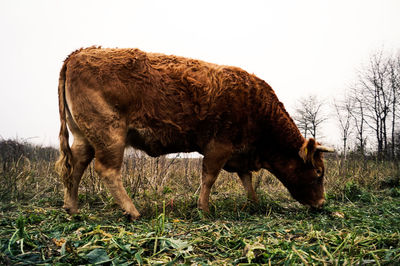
{"x": 27, "y": 174}
{"x": 360, "y": 224}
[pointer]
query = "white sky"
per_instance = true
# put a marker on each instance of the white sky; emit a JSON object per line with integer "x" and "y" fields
{"x": 298, "y": 47}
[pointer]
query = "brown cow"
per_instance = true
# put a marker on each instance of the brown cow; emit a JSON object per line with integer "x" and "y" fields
{"x": 112, "y": 98}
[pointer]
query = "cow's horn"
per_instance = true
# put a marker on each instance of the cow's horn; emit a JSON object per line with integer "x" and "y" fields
{"x": 324, "y": 148}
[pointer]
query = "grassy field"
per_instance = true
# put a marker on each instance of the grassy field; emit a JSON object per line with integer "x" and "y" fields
{"x": 359, "y": 225}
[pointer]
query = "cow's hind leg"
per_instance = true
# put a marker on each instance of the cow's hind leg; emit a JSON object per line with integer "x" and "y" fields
{"x": 82, "y": 155}
{"x": 215, "y": 157}
{"x": 108, "y": 166}
{"x": 248, "y": 186}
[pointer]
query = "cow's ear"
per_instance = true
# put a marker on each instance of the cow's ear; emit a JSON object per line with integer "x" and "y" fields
{"x": 307, "y": 150}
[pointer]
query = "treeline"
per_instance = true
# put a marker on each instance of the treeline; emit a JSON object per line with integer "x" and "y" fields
{"x": 12, "y": 151}
{"x": 368, "y": 112}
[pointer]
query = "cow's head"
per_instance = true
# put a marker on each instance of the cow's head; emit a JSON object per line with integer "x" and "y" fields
{"x": 303, "y": 173}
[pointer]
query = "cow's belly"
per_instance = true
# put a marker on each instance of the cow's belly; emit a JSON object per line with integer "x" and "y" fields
{"x": 243, "y": 161}
{"x": 147, "y": 141}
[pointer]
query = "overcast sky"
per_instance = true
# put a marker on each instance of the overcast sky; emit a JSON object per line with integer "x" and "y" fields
{"x": 298, "y": 47}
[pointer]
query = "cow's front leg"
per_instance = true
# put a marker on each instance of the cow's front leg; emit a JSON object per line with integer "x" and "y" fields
{"x": 215, "y": 157}
{"x": 248, "y": 186}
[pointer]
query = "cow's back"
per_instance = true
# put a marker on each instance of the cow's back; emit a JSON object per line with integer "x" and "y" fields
{"x": 167, "y": 103}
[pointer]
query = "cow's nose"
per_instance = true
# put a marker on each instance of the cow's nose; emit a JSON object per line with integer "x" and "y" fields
{"x": 319, "y": 204}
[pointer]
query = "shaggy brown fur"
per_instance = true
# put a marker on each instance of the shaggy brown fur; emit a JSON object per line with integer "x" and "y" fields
{"x": 111, "y": 98}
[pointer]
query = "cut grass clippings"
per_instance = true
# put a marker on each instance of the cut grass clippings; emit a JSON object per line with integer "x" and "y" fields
{"x": 277, "y": 232}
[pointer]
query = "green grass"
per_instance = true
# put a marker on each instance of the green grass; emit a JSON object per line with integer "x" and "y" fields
{"x": 360, "y": 225}
{"x": 361, "y": 231}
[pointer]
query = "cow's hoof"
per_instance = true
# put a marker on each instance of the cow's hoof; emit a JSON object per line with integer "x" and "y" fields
{"x": 203, "y": 207}
{"x": 70, "y": 210}
{"x": 204, "y": 215}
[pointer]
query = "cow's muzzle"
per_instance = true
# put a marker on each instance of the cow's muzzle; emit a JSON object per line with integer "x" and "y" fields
{"x": 318, "y": 205}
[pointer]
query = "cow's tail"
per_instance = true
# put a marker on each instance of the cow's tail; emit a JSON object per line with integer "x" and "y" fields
{"x": 64, "y": 163}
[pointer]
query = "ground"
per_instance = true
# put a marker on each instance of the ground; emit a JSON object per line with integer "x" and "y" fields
{"x": 364, "y": 230}
{"x": 360, "y": 223}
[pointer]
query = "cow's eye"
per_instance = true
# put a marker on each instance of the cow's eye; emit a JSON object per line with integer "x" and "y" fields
{"x": 318, "y": 171}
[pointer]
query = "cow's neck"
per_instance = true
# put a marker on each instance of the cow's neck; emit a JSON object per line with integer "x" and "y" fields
{"x": 281, "y": 128}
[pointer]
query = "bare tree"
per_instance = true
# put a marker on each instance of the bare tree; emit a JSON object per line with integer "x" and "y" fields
{"x": 394, "y": 84}
{"x": 301, "y": 120}
{"x": 371, "y": 109}
{"x": 379, "y": 82}
{"x": 309, "y": 115}
{"x": 344, "y": 110}
{"x": 358, "y": 114}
